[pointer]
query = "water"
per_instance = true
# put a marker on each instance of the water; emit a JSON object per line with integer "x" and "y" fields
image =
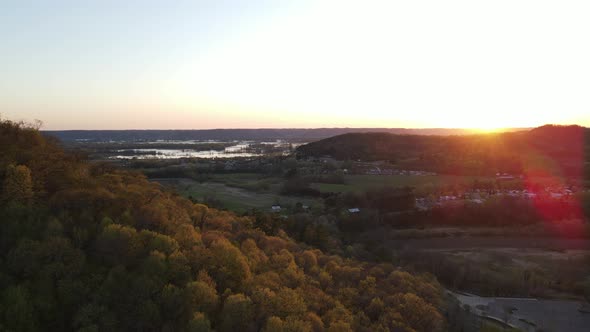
{"x": 241, "y": 149}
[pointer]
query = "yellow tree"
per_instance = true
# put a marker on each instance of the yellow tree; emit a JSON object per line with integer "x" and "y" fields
{"x": 228, "y": 266}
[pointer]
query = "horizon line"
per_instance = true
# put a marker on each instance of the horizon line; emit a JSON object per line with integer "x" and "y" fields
{"x": 312, "y": 128}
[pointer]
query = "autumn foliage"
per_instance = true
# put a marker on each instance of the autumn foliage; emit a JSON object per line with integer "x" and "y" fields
{"x": 87, "y": 247}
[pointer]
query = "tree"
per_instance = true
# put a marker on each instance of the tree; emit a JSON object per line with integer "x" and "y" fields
{"x": 173, "y": 305}
{"x": 375, "y": 308}
{"x": 418, "y": 313}
{"x": 288, "y": 302}
{"x": 93, "y": 317}
{"x": 340, "y": 326}
{"x": 18, "y": 185}
{"x": 17, "y": 311}
{"x": 187, "y": 236}
{"x": 202, "y": 297}
{"x": 199, "y": 214}
{"x": 268, "y": 223}
{"x": 228, "y": 266}
{"x": 237, "y": 314}
{"x": 179, "y": 270}
{"x": 294, "y": 324}
{"x": 199, "y": 323}
{"x": 274, "y": 324}
{"x": 316, "y": 322}
{"x": 118, "y": 244}
{"x": 309, "y": 260}
{"x": 256, "y": 257}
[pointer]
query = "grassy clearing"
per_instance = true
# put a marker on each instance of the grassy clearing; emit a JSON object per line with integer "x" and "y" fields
{"x": 359, "y": 183}
{"x": 233, "y": 198}
{"x": 248, "y": 181}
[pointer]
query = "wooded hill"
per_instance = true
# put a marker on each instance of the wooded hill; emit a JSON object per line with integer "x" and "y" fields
{"x": 86, "y": 247}
{"x": 564, "y": 150}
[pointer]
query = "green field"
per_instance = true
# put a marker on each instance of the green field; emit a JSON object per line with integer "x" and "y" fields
{"x": 244, "y": 191}
{"x": 249, "y": 181}
{"x": 234, "y": 198}
{"x": 360, "y": 183}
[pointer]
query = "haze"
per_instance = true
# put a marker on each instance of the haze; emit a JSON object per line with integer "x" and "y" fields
{"x": 228, "y": 64}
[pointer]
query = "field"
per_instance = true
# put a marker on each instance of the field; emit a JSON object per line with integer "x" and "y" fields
{"x": 243, "y": 191}
{"x": 233, "y": 196}
{"x": 358, "y": 183}
{"x": 248, "y": 181}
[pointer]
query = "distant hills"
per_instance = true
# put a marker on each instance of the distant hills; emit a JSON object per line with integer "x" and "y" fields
{"x": 548, "y": 149}
{"x": 305, "y": 135}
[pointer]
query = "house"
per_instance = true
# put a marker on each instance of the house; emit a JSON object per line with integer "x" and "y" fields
{"x": 354, "y": 210}
{"x": 276, "y": 208}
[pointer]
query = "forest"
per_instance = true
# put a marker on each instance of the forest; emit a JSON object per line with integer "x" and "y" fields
{"x": 90, "y": 247}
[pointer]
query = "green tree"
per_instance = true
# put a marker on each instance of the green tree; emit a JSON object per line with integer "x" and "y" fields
{"x": 17, "y": 311}
{"x": 199, "y": 323}
{"x": 237, "y": 314}
{"x": 18, "y": 185}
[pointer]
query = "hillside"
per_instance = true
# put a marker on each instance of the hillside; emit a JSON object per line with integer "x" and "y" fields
{"x": 87, "y": 247}
{"x": 561, "y": 149}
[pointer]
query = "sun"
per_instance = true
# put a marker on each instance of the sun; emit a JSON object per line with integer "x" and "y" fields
{"x": 489, "y": 130}
{"x": 470, "y": 123}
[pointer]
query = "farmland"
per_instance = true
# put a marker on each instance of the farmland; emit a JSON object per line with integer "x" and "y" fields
{"x": 242, "y": 191}
{"x": 232, "y": 195}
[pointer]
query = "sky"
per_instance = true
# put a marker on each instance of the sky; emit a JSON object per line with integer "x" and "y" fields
{"x": 289, "y": 64}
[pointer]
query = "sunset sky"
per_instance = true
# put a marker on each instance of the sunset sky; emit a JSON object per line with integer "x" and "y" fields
{"x": 250, "y": 64}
